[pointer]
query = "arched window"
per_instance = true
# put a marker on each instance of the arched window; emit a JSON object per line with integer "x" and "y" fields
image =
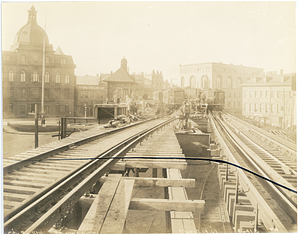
{"x": 23, "y": 76}
{"x": 219, "y": 82}
{"x": 229, "y": 82}
{"x": 11, "y": 76}
{"x": 204, "y": 82}
{"x": 35, "y": 77}
{"x": 182, "y": 81}
{"x": 47, "y": 77}
{"x": 67, "y": 78}
{"x": 57, "y": 77}
{"x": 193, "y": 81}
{"x": 238, "y": 82}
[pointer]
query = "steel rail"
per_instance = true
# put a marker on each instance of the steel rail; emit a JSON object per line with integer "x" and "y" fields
{"x": 48, "y": 153}
{"x": 265, "y": 151}
{"x": 93, "y": 173}
{"x": 57, "y": 150}
{"x": 261, "y": 132}
{"x": 283, "y": 194}
{"x": 267, "y": 215}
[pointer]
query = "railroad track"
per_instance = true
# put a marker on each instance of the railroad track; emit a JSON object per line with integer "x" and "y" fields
{"x": 277, "y": 205}
{"x": 41, "y": 187}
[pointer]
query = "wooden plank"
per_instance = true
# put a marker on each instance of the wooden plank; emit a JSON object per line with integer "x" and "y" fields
{"x": 116, "y": 216}
{"x": 150, "y": 164}
{"x": 94, "y": 219}
{"x": 167, "y": 205}
{"x": 163, "y": 182}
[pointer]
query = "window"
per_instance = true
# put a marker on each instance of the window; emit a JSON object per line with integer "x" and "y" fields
{"x": 256, "y": 107}
{"x": 278, "y": 108}
{"x": 23, "y": 93}
{"x": 238, "y": 82}
{"x": 62, "y": 61}
{"x": 6, "y": 57}
{"x": 10, "y": 109}
{"x": 34, "y": 77}
{"x": 256, "y": 93}
{"x": 233, "y": 94}
{"x": 204, "y": 82}
{"x": 57, "y": 78}
{"x": 22, "y": 109}
{"x": 57, "y": 94}
{"x": 67, "y": 78}
{"x": 233, "y": 104}
{"x": 47, "y": 77}
{"x": 262, "y": 109}
{"x": 267, "y": 93}
{"x": 66, "y": 108}
{"x": 67, "y": 93}
{"x": 229, "y": 94}
{"x": 261, "y": 94}
{"x": 23, "y": 76}
{"x": 250, "y": 94}
{"x": 245, "y": 106}
{"x": 272, "y": 94}
{"x": 229, "y": 82}
{"x": 239, "y": 94}
{"x": 228, "y": 104}
{"x": 47, "y": 94}
{"x": 57, "y": 109}
{"x": 23, "y": 58}
{"x": 47, "y": 109}
{"x": 47, "y": 59}
{"x": 11, "y": 93}
{"x": 81, "y": 94}
{"x": 182, "y": 81}
{"x": 267, "y": 107}
{"x": 193, "y": 81}
{"x": 245, "y": 93}
{"x": 11, "y": 76}
{"x": 91, "y": 94}
{"x": 251, "y": 107}
{"x": 219, "y": 82}
{"x": 86, "y": 95}
{"x": 33, "y": 93}
{"x": 239, "y": 104}
{"x": 273, "y": 108}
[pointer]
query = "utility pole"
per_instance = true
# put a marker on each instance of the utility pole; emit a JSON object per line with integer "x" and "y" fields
{"x": 36, "y": 138}
{"x": 43, "y": 77}
{"x": 284, "y": 108}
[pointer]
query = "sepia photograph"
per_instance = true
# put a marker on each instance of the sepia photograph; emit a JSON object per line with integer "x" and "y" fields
{"x": 127, "y": 117}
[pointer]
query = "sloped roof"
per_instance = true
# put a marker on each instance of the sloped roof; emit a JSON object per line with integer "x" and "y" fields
{"x": 120, "y": 76}
{"x": 59, "y": 51}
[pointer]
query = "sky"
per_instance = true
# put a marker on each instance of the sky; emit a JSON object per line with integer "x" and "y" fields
{"x": 162, "y": 35}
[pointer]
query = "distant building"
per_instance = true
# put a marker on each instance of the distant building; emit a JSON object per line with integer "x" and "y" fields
{"x": 89, "y": 91}
{"x": 228, "y": 77}
{"x": 271, "y": 99}
{"x": 157, "y": 81}
{"x": 22, "y": 74}
{"x": 120, "y": 84}
{"x": 143, "y": 87}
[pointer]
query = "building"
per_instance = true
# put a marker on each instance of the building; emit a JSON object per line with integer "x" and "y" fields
{"x": 120, "y": 85}
{"x": 228, "y": 77}
{"x": 22, "y": 70}
{"x": 89, "y": 91}
{"x": 271, "y": 99}
{"x": 157, "y": 81}
{"x": 143, "y": 88}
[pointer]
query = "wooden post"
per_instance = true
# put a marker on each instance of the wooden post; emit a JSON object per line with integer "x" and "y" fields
{"x": 237, "y": 189}
{"x": 36, "y": 126}
{"x": 154, "y": 172}
{"x": 256, "y": 219}
{"x": 166, "y": 195}
{"x": 226, "y": 175}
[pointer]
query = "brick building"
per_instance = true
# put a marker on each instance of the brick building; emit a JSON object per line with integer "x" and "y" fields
{"x": 22, "y": 74}
{"x": 89, "y": 91}
{"x": 228, "y": 77}
{"x": 271, "y": 99}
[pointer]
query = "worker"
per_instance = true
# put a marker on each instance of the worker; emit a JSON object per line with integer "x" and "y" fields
{"x": 185, "y": 113}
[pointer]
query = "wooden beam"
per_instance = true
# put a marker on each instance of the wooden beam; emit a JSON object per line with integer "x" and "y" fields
{"x": 116, "y": 216}
{"x": 94, "y": 219}
{"x": 134, "y": 163}
{"x": 167, "y": 205}
{"x": 163, "y": 182}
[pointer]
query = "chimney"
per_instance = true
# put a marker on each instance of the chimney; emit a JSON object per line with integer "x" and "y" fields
{"x": 281, "y": 72}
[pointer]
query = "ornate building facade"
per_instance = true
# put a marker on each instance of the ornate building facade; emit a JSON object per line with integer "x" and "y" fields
{"x": 22, "y": 74}
{"x": 227, "y": 77}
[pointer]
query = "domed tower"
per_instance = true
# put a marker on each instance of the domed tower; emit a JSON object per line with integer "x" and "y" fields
{"x": 31, "y": 34}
